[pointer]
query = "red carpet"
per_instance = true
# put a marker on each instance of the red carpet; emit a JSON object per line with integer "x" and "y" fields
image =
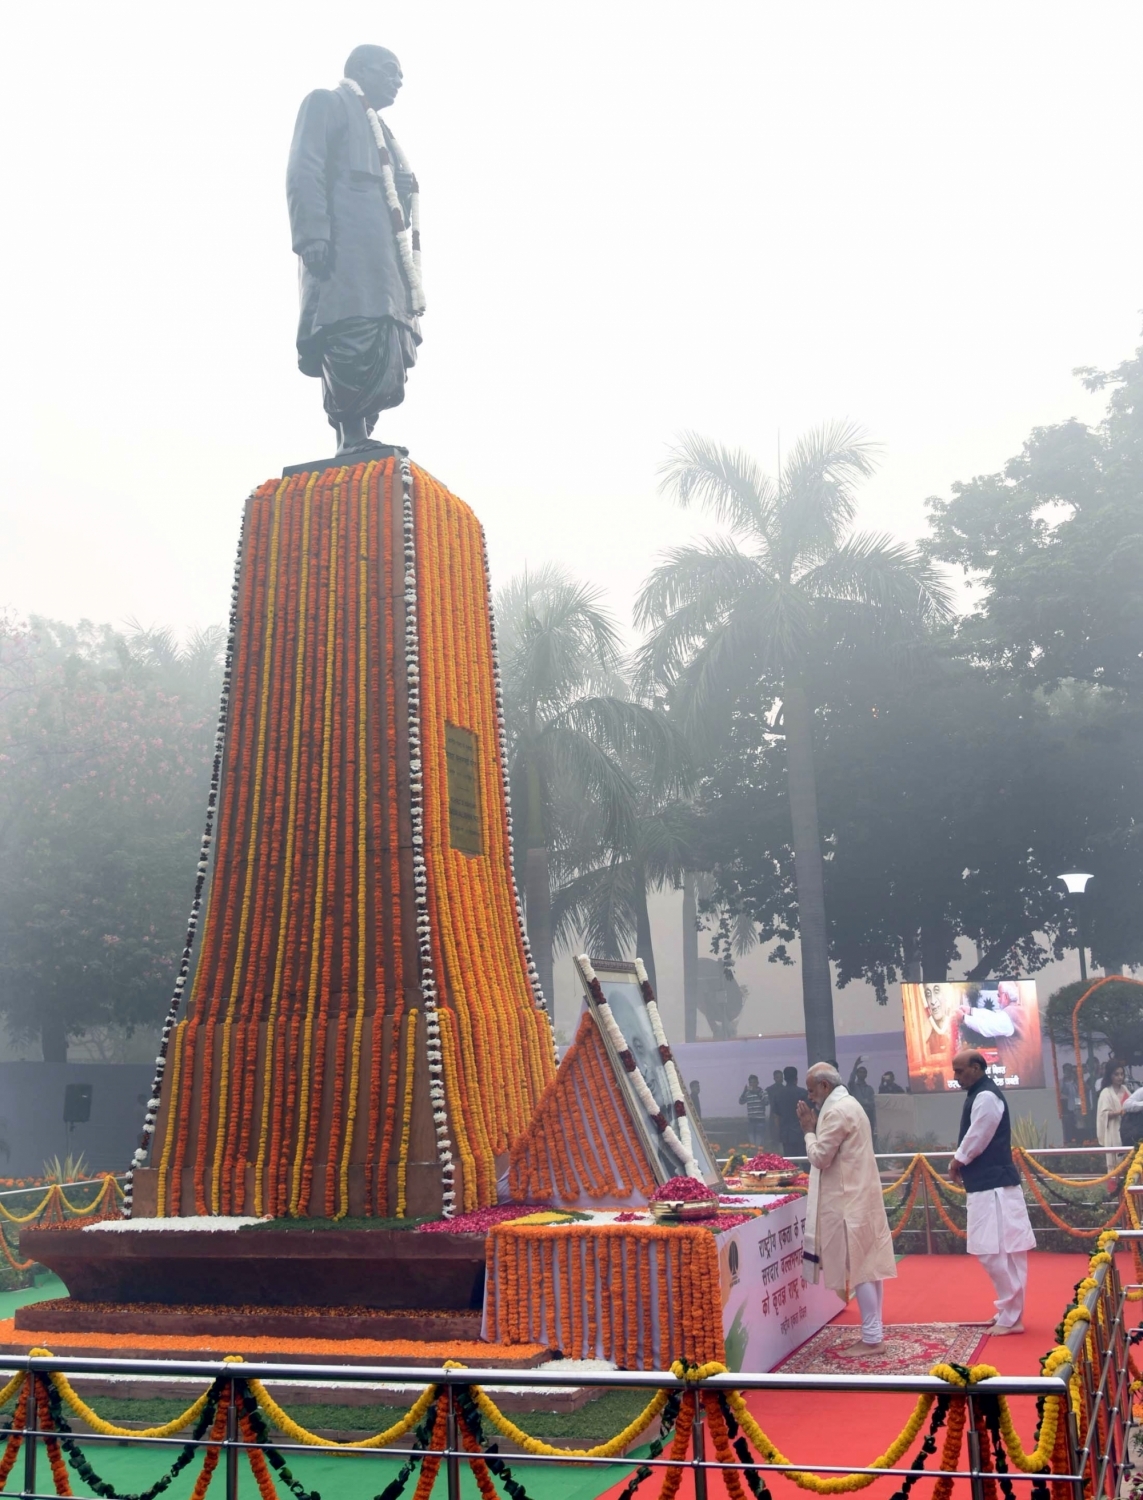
{"x": 829, "y": 1428}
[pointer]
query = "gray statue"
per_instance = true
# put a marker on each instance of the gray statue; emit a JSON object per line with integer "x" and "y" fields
{"x": 353, "y": 218}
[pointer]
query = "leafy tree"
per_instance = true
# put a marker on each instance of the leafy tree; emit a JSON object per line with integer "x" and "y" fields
{"x": 570, "y": 722}
{"x": 105, "y": 745}
{"x": 949, "y": 803}
{"x": 1112, "y": 1017}
{"x": 791, "y": 588}
{"x": 1054, "y": 543}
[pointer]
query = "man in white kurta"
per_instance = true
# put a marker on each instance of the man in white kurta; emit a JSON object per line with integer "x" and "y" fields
{"x": 847, "y": 1242}
{"x": 999, "y": 1230}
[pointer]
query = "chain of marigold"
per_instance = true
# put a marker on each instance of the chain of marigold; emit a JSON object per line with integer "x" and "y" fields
{"x": 362, "y": 883}
{"x": 1076, "y": 1182}
{"x": 12, "y": 1387}
{"x": 108, "y": 1429}
{"x": 242, "y": 1147}
{"x": 406, "y": 1108}
{"x": 347, "y": 818}
{"x": 414, "y": 663}
{"x": 297, "y": 1434}
{"x": 909, "y": 1205}
{"x": 253, "y": 845}
{"x": 839, "y": 1484}
{"x": 300, "y": 1149}
{"x": 109, "y": 1188}
{"x": 36, "y": 1212}
{"x": 17, "y": 1265}
{"x": 449, "y": 1057}
{"x": 334, "y": 923}
{"x": 437, "y": 646}
{"x": 288, "y": 860}
{"x": 1079, "y": 1234}
{"x": 507, "y": 1428}
{"x": 475, "y": 882}
{"x": 511, "y": 991}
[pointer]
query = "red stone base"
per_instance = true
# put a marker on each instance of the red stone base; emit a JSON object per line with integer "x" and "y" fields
{"x": 366, "y": 1269}
{"x": 63, "y": 1315}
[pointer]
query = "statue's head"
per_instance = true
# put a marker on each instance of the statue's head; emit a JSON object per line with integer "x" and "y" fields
{"x": 378, "y": 72}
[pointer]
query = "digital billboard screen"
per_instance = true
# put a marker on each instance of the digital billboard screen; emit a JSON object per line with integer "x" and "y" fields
{"x": 999, "y": 1017}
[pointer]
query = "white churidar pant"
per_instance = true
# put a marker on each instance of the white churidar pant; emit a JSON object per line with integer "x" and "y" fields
{"x": 869, "y": 1295}
{"x": 1000, "y": 1236}
{"x": 1009, "y": 1275}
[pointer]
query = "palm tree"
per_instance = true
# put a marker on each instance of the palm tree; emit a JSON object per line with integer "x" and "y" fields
{"x": 790, "y": 587}
{"x": 570, "y": 723}
{"x": 604, "y": 900}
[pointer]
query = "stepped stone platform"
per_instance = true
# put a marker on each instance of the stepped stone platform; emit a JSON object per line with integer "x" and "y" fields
{"x": 260, "y": 1282}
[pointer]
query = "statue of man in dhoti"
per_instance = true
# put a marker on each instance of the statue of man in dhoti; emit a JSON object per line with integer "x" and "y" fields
{"x": 354, "y": 224}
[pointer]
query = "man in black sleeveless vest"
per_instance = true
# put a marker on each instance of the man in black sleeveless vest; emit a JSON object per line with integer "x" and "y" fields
{"x": 999, "y": 1230}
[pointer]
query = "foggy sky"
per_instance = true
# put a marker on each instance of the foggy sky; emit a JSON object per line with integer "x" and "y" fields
{"x": 637, "y": 217}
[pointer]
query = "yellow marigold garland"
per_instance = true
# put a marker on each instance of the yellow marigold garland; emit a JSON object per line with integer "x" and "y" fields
{"x": 406, "y": 1108}
{"x": 611, "y": 1449}
{"x": 312, "y": 995}
{"x": 109, "y": 1429}
{"x": 362, "y": 883}
{"x": 298, "y": 1434}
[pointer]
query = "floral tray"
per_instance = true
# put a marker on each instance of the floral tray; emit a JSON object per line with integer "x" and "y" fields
{"x": 675, "y": 1209}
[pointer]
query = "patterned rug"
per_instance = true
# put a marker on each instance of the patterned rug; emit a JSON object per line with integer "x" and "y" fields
{"x": 910, "y": 1349}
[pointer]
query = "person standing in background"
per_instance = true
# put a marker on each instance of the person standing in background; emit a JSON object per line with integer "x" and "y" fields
{"x": 889, "y": 1084}
{"x": 862, "y": 1090}
{"x": 1069, "y": 1105}
{"x": 999, "y": 1230}
{"x": 695, "y": 1100}
{"x": 790, "y": 1130}
{"x": 773, "y": 1094}
{"x": 754, "y": 1098}
{"x": 1109, "y": 1110}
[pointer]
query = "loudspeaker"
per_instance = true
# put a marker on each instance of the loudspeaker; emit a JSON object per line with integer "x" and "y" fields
{"x": 77, "y": 1103}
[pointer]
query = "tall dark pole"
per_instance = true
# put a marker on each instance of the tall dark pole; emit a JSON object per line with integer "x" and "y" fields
{"x": 1079, "y": 911}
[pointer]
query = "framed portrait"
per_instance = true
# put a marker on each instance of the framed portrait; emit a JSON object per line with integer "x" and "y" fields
{"x": 619, "y": 982}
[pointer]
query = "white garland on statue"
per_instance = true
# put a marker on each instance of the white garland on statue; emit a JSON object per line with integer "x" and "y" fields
{"x": 155, "y": 1098}
{"x": 408, "y": 235}
{"x": 646, "y": 1097}
{"x": 420, "y": 869}
{"x": 669, "y": 1064}
{"x": 502, "y": 741}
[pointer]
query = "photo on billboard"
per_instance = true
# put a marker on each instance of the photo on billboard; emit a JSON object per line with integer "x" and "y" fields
{"x": 1000, "y": 1017}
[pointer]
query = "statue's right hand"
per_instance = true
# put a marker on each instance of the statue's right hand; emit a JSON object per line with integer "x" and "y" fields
{"x": 315, "y": 256}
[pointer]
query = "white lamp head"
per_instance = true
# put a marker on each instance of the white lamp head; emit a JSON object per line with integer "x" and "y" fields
{"x": 1076, "y": 882}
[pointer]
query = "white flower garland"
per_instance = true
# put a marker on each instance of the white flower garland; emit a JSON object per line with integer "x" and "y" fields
{"x": 153, "y": 1102}
{"x": 646, "y": 1097}
{"x": 502, "y": 740}
{"x": 667, "y": 1056}
{"x": 408, "y": 235}
{"x": 420, "y": 870}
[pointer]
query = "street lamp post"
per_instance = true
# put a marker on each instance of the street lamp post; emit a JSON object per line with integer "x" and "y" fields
{"x": 1076, "y": 882}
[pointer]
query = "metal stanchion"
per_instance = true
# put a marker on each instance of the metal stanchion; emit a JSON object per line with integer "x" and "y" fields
{"x": 31, "y": 1422}
{"x": 231, "y": 1447}
{"x": 976, "y": 1482}
{"x": 698, "y": 1441}
{"x": 452, "y": 1462}
{"x": 928, "y": 1219}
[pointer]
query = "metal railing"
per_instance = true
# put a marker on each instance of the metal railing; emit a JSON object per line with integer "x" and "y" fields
{"x": 1081, "y": 1458}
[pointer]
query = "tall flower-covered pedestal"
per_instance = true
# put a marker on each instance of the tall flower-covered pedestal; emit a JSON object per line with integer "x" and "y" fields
{"x": 364, "y": 1034}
